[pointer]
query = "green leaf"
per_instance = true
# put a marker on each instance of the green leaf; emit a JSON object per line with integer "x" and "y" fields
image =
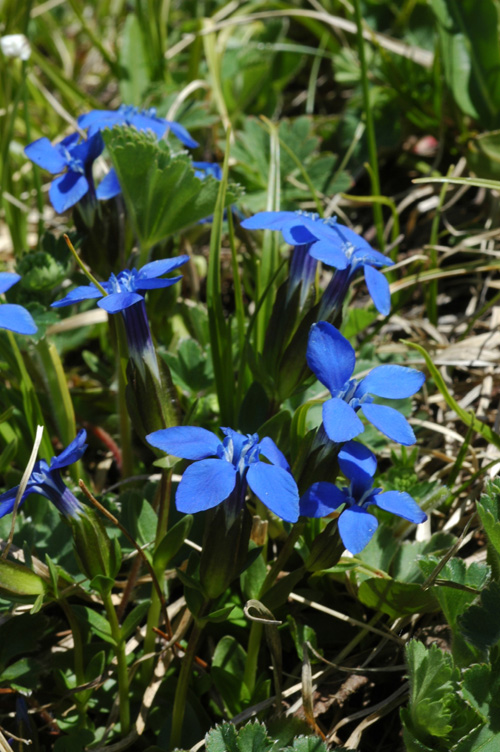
{"x": 220, "y": 615}
{"x": 160, "y": 189}
{"x": 133, "y": 62}
{"x": 222, "y": 739}
{"x": 471, "y": 55}
{"x": 488, "y": 508}
{"x": 483, "y": 156}
{"x": 228, "y": 668}
{"x": 452, "y": 600}
{"x": 480, "y": 624}
{"x": 18, "y": 583}
{"x": 134, "y": 619}
{"x": 396, "y": 598}
{"x": 481, "y": 688}
{"x": 171, "y": 542}
{"x": 433, "y": 681}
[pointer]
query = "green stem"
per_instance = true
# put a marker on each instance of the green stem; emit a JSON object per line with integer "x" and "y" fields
{"x": 123, "y": 683}
{"x": 120, "y": 347}
{"x": 370, "y": 128}
{"x": 81, "y": 698}
{"x": 182, "y": 686}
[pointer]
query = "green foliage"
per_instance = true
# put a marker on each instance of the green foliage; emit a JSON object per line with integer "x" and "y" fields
{"x": 159, "y": 187}
{"x": 254, "y": 737}
{"x": 480, "y": 624}
{"x": 470, "y": 51}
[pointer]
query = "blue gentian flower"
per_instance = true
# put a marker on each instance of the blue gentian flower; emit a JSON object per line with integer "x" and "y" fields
{"x": 125, "y": 296}
{"x": 14, "y": 317}
{"x": 46, "y": 480}
{"x": 142, "y": 120}
{"x": 73, "y": 157}
{"x": 356, "y": 525}
{"x": 316, "y": 239}
{"x": 332, "y": 359}
{"x": 223, "y": 469}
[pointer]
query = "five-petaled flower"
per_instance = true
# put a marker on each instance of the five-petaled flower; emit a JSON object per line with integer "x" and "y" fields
{"x": 46, "y": 480}
{"x": 75, "y": 158}
{"x": 326, "y": 240}
{"x": 356, "y": 525}
{"x": 14, "y": 317}
{"x": 223, "y": 469}
{"x": 332, "y": 359}
{"x": 125, "y": 295}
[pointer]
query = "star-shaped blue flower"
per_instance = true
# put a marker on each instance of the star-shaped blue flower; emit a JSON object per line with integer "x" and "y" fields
{"x": 75, "y": 158}
{"x": 223, "y": 469}
{"x": 356, "y": 524}
{"x": 14, "y": 317}
{"x": 333, "y": 244}
{"x": 46, "y": 480}
{"x": 127, "y": 287}
{"x": 142, "y": 120}
{"x": 332, "y": 359}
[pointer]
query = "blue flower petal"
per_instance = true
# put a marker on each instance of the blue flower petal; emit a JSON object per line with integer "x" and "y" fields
{"x": 109, "y": 187}
{"x": 390, "y": 422}
{"x": 73, "y": 452}
{"x": 330, "y": 356}
{"x": 67, "y": 190}
{"x": 402, "y": 504}
{"x": 88, "y": 150}
{"x": 378, "y": 287}
{"x": 156, "y": 284}
{"x": 16, "y": 319}
{"x": 268, "y": 220}
{"x": 237, "y": 438}
{"x": 356, "y": 528}
{"x": 271, "y": 452}
{"x": 204, "y": 485}
{"x": 371, "y": 257}
{"x": 391, "y": 382}
{"x": 8, "y": 499}
{"x": 321, "y": 499}
{"x": 162, "y": 266}
{"x": 77, "y": 295}
{"x": 118, "y": 301}
{"x": 182, "y": 134}
{"x": 101, "y": 119}
{"x": 276, "y": 488}
{"x": 43, "y": 154}
{"x": 355, "y": 457}
{"x": 340, "y": 421}
{"x": 7, "y": 280}
{"x": 188, "y": 442}
{"x": 144, "y": 122}
{"x": 296, "y": 232}
{"x": 329, "y": 254}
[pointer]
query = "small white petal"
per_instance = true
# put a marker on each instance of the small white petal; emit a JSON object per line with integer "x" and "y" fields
{"x": 15, "y": 45}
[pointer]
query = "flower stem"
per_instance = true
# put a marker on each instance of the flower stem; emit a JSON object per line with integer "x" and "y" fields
{"x": 182, "y": 686}
{"x": 123, "y": 683}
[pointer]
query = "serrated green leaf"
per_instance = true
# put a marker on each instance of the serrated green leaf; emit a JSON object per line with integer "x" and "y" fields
{"x": 481, "y": 688}
{"x": 488, "y": 508}
{"x": 160, "y": 189}
{"x": 480, "y": 624}
{"x": 253, "y": 738}
{"x": 222, "y": 739}
{"x": 433, "y": 690}
{"x": 309, "y": 744}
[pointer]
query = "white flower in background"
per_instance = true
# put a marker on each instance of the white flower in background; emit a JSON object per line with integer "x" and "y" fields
{"x": 15, "y": 45}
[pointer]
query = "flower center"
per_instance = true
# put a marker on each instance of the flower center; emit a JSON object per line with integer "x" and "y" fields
{"x": 124, "y": 282}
